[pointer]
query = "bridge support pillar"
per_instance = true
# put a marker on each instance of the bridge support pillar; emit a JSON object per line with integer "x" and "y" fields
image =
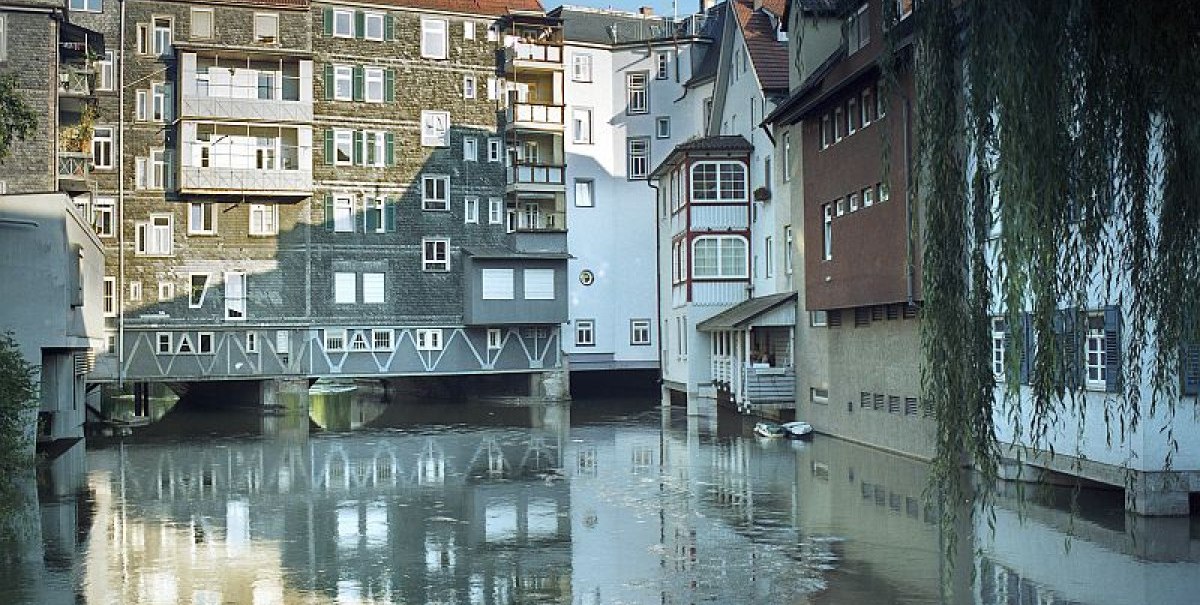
{"x": 275, "y": 392}
{"x": 551, "y": 385}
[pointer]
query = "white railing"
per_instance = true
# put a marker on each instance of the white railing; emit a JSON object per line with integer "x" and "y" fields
{"x": 534, "y": 51}
{"x": 536, "y": 114}
{"x": 536, "y": 174}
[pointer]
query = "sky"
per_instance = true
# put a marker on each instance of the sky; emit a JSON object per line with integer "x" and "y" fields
{"x": 661, "y": 7}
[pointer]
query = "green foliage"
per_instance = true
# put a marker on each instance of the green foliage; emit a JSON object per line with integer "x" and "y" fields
{"x": 17, "y": 120}
{"x": 1082, "y": 115}
{"x": 18, "y": 394}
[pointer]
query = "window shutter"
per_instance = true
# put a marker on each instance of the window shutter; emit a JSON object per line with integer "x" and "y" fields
{"x": 388, "y": 27}
{"x": 1112, "y": 348}
{"x": 389, "y": 148}
{"x": 389, "y": 215}
{"x": 328, "y": 81}
{"x": 1189, "y": 369}
{"x": 360, "y": 24}
{"x": 358, "y": 82}
{"x": 358, "y": 148}
{"x": 329, "y": 212}
{"x": 1027, "y": 348}
{"x": 329, "y": 146}
{"x": 389, "y": 85}
{"x": 371, "y": 219}
{"x": 328, "y": 21}
{"x": 1070, "y": 348}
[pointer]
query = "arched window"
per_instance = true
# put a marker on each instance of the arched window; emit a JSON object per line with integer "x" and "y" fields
{"x": 719, "y": 256}
{"x": 719, "y": 182}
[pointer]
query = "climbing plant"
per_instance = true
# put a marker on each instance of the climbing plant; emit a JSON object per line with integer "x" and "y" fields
{"x": 18, "y": 392}
{"x": 17, "y": 120}
{"x": 1059, "y": 163}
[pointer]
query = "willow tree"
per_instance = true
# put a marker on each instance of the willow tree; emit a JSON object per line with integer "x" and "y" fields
{"x": 1076, "y": 125}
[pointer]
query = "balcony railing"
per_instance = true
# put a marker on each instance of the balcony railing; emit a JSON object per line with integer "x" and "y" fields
{"x": 540, "y": 52}
{"x": 74, "y": 165}
{"x": 521, "y": 221}
{"x": 536, "y": 174}
{"x": 533, "y": 113}
{"x": 75, "y": 81}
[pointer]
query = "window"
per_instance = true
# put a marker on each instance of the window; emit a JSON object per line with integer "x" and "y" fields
{"x": 539, "y": 284}
{"x": 156, "y": 236}
{"x": 1096, "y": 354}
{"x": 161, "y": 107}
{"x": 718, "y": 182}
{"x": 882, "y": 194}
{"x": 495, "y": 211}
{"x": 662, "y": 127}
{"x": 433, "y": 38}
{"x": 636, "y": 95}
{"x": 162, "y": 36}
{"x": 826, "y": 131}
{"x": 581, "y": 67}
{"x": 435, "y": 192}
{"x": 343, "y": 147}
{"x": 865, "y": 107}
{"x": 435, "y": 129}
{"x": 471, "y": 210}
{"x": 639, "y": 332}
{"x": 335, "y": 339}
{"x": 858, "y": 30}
{"x": 719, "y": 256}
{"x": 999, "y": 328}
{"x": 585, "y": 190}
{"x": 787, "y": 157}
{"x": 852, "y": 115}
{"x": 662, "y": 63}
{"x": 818, "y": 319}
{"x": 469, "y": 87}
{"x": 868, "y": 197}
{"x": 768, "y": 256}
{"x": 345, "y": 288}
{"x": 470, "y": 149}
{"x": 143, "y": 38}
{"x": 373, "y": 288}
{"x": 202, "y": 219}
{"x": 904, "y": 8}
{"x": 142, "y": 106}
{"x": 495, "y": 339}
{"x": 110, "y": 297}
{"x": 585, "y": 332}
{"x": 840, "y": 206}
{"x": 639, "y": 157}
{"x": 375, "y": 147}
{"x": 204, "y": 343}
{"x": 493, "y": 149}
{"x": 107, "y": 67}
{"x": 373, "y": 77}
{"x": 104, "y": 216}
{"x": 853, "y": 201}
{"x": 373, "y": 26}
{"x": 251, "y": 342}
{"x": 381, "y": 340}
{"x": 235, "y": 295}
{"x": 343, "y": 214}
{"x": 164, "y": 340}
{"x": 429, "y": 339}
{"x": 788, "y": 242}
{"x": 468, "y": 30}
{"x": 581, "y": 125}
{"x": 91, "y": 6}
{"x": 343, "y": 24}
{"x": 198, "y": 289}
{"x": 435, "y": 254}
{"x": 135, "y": 290}
{"x": 166, "y": 291}
{"x": 102, "y": 147}
{"x": 151, "y": 172}
{"x": 266, "y": 27}
{"x": 343, "y": 83}
{"x": 264, "y": 219}
{"x": 497, "y": 284}
{"x": 375, "y": 219}
{"x": 827, "y": 234}
{"x": 839, "y": 123}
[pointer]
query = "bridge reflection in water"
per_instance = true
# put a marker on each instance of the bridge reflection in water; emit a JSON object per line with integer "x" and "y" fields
{"x": 496, "y": 504}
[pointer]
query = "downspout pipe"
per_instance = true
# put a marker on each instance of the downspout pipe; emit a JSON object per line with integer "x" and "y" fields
{"x": 910, "y": 263}
{"x": 121, "y": 203}
{"x": 653, "y": 184}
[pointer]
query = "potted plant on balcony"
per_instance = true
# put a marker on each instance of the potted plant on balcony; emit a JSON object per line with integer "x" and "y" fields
{"x": 77, "y": 138}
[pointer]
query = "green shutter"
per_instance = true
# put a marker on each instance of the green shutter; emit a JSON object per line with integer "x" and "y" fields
{"x": 328, "y": 81}
{"x": 329, "y": 212}
{"x": 328, "y": 21}
{"x": 358, "y": 82}
{"x": 388, "y": 27}
{"x": 360, "y": 24}
{"x": 329, "y": 146}
{"x": 389, "y": 85}
{"x": 389, "y": 215}
{"x": 357, "y": 153}
{"x": 389, "y": 149}
{"x": 372, "y": 219}
{"x": 1112, "y": 349}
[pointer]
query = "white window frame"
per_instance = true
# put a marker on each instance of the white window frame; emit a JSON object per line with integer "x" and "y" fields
{"x": 428, "y": 339}
{"x": 1095, "y": 354}
{"x": 998, "y": 348}
{"x": 343, "y": 74}
{"x": 163, "y": 37}
{"x": 109, "y": 297}
{"x": 156, "y": 235}
{"x": 494, "y": 149}
{"x": 535, "y": 281}
{"x": 868, "y": 197}
{"x": 235, "y": 304}
{"x": 789, "y": 240}
{"x": 87, "y": 6}
{"x": 435, "y": 202}
{"x": 581, "y": 125}
{"x": 343, "y": 140}
{"x": 343, "y": 16}
{"x": 468, "y": 30}
{"x": 435, "y": 254}
{"x": 496, "y": 284}
{"x": 165, "y": 343}
{"x": 787, "y": 157}
{"x": 166, "y": 291}
{"x": 251, "y": 342}
{"x": 588, "y": 200}
{"x": 370, "y": 17}
{"x": 470, "y": 149}
{"x": 495, "y": 211}
{"x": 827, "y": 232}
{"x": 638, "y": 327}
{"x": 433, "y": 31}
{"x": 334, "y": 339}
{"x": 585, "y": 332}
{"x": 662, "y": 65}
{"x": 264, "y": 219}
{"x": 495, "y": 339}
{"x": 201, "y": 339}
{"x": 263, "y": 32}
{"x": 204, "y": 223}
{"x": 374, "y": 288}
{"x": 345, "y": 288}
{"x": 720, "y": 177}
{"x": 637, "y": 92}
{"x": 471, "y": 210}
{"x": 662, "y": 127}
{"x": 141, "y": 105}
{"x": 637, "y": 162}
{"x": 135, "y": 291}
{"x": 383, "y": 339}
{"x": 343, "y": 213}
{"x": 107, "y": 70}
{"x": 769, "y": 256}
{"x": 193, "y": 302}
{"x": 725, "y": 268}
{"x": 470, "y": 87}
{"x": 373, "y": 79}
{"x": 581, "y": 67}
{"x": 104, "y": 216}
{"x": 435, "y": 128}
{"x": 160, "y": 107}
{"x": 102, "y": 147}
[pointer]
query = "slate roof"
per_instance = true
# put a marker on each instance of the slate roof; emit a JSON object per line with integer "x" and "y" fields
{"x": 768, "y": 55}
{"x": 786, "y": 111}
{"x": 611, "y": 27}
{"x": 744, "y": 312}
{"x": 508, "y": 253}
{"x": 727, "y": 142}
{"x": 472, "y": 7}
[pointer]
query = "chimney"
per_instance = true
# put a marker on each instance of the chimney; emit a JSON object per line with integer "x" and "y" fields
{"x": 646, "y": 11}
{"x": 705, "y": 5}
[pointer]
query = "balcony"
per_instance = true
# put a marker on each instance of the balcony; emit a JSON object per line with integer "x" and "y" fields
{"x": 534, "y": 116}
{"x": 74, "y": 171}
{"x": 224, "y": 167}
{"x": 249, "y": 91}
{"x": 76, "y": 81}
{"x": 533, "y": 55}
{"x": 530, "y": 177}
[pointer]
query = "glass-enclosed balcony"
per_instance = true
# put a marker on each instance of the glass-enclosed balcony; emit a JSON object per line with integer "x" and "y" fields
{"x": 535, "y": 116}
{"x": 261, "y": 160}
{"x": 275, "y": 89}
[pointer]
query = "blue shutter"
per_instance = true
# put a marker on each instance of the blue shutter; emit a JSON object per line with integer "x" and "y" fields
{"x": 1112, "y": 348}
{"x": 1070, "y": 348}
{"x": 1189, "y": 369}
{"x": 1027, "y": 348}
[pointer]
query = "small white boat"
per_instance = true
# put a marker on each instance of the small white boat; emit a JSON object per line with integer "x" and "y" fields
{"x": 797, "y": 429}
{"x": 769, "y": 430}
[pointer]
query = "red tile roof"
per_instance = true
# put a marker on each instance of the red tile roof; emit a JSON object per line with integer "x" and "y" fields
{"x": 767, "y": 53}
{"x": 494, "y": 8}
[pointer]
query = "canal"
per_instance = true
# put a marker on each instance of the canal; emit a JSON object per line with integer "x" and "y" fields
{"x": 345, "y": 498}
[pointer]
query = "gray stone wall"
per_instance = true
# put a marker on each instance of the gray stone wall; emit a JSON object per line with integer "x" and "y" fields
{"x": 31, "y": 39}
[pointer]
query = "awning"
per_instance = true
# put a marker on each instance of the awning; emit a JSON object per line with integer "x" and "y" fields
{"x": 754, "y": 312}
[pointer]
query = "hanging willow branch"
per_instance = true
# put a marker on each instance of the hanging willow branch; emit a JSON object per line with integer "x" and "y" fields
{"x": 1060, "y": 165}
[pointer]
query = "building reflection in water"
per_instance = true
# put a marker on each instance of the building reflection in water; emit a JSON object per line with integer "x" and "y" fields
{"x": 499, "y": 504}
